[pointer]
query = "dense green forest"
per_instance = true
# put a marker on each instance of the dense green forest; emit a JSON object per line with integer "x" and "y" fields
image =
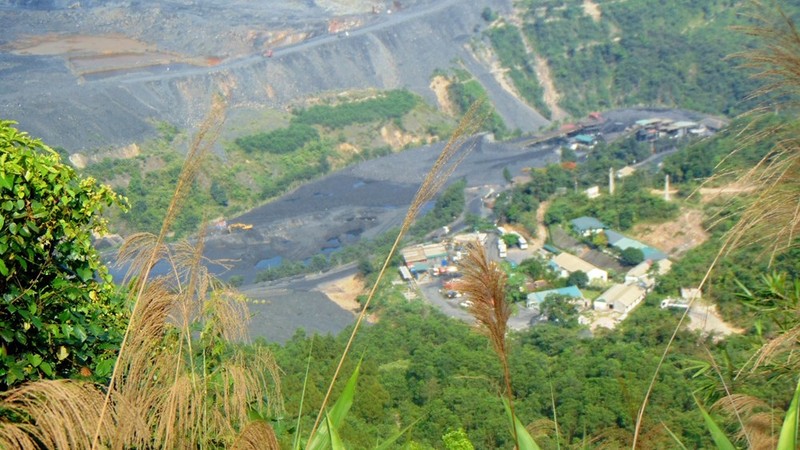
{"x": 421, "y": 365}
{"x": 636, "y": 52}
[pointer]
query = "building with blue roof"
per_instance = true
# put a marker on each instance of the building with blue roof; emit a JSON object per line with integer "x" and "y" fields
{"x": 587, "y": 226}
{"x": 613, "y": 237}
{"x": 653, "y": 254}
{"x": 535, "y": 299}
{"x": 622, "y": 242}
{"x": 584, "y": 139}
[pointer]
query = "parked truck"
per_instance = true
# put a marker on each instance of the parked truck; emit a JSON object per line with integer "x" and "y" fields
{"x": 501, "y": 248}
{"x": 675, "y": 304}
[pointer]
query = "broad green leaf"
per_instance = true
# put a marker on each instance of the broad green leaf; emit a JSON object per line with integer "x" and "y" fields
{"x": 104, "y": 368}
{"x": 46, "y": 368}
{"x": 80, "y": 333}
{"x": 84, "y": 273}
{"x": 524, "y": 438}
{"x": 345, "y": 401}
{"x": 788, "y": 437}
{"x": 6, "y": 334}
{"x": 3, "y": 268}
{"x": 336, "y": 441}
{"x": 337, "y": 413}
{"x": 34, "y": 359}
{"x": 6, "y": 181}
{"x": 720, "y": 439}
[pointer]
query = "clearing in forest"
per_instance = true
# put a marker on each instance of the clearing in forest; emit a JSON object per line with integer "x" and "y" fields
{"x": 677, "y": 236}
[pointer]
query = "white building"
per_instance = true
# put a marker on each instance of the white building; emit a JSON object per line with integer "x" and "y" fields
{"x": 566, "y": 264}
{"x": 620, "y": 298}
{"x": 592, "y": 192}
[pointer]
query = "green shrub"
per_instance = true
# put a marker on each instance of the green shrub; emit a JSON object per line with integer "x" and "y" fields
{"x": 392, "y": 105}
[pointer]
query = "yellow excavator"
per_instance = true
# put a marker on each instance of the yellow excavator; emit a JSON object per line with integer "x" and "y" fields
{"x": 239, "y": 227}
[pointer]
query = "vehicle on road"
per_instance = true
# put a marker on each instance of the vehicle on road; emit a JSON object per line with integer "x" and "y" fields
{"x": 239, "y": 227}
{"x": 675, "y": 304}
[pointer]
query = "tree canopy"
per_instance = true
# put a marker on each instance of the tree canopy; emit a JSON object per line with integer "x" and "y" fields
{"x": 631, "y": 256}
{"x": 59, "y": 312}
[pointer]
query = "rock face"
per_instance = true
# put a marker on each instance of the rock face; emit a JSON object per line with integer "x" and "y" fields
{"x": 82, "y": 97}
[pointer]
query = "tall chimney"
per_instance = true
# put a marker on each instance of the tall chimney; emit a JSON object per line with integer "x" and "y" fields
{"x": 666, "y": 187}
{"x": 611, "y": 181}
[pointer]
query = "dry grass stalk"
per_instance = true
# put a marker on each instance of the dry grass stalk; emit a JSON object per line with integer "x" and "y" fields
{"x": 202, "y": 142}
{"x": 183, "y": 392}
{"x": 484, "y": 284}
{"x": 773, "y": 218}
{"x": 456, "y": 149}
{"x": 182, "y": 406}
{"x": 541, "y": 427}
{"x": 58, "y": 414}
{"x": 778, "y": 345}
{"x": 760, "y": 424}
{"x": 256, "y": 436}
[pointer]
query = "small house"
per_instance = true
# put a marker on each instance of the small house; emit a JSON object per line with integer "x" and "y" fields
{"x": 435, "y": 252}
{"x": 551, "y": 248}
{"x": 644, "y": 274}
{"x": 713, "y": 124}
{"x": 621, "y": 242}
{"x": 405, "y": 274}
{"x": 586, "y": 226}
{"x": 620, "y": 298}
{"x": 413, "y": 255}
{"x": 585, "y": 140}
{"x": 592, "y": 192}
{"x": 535, "y": 299}
{"x": 421, "y": 258}
{"x": 566, "y": 264}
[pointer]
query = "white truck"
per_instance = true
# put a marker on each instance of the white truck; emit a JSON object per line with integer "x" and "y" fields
{"x": 673, "y": 303}
{"x": 501, "y": 248}
{"x": 523, "y": 244}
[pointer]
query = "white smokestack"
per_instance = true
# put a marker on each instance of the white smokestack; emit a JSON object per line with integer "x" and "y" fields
{"x": 611, "y": 181}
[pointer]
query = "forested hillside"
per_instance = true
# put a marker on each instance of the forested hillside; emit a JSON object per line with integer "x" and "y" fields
{"x": 635, "y": 52}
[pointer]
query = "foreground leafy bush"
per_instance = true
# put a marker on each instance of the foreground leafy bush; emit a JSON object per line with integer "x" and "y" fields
{"x": 58, "y": 310}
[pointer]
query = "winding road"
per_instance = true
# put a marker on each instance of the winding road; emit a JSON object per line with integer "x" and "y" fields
{"x": 182, "y": 71}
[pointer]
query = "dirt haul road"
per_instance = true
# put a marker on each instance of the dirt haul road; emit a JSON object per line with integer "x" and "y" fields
{"x": 211, "y": 46}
